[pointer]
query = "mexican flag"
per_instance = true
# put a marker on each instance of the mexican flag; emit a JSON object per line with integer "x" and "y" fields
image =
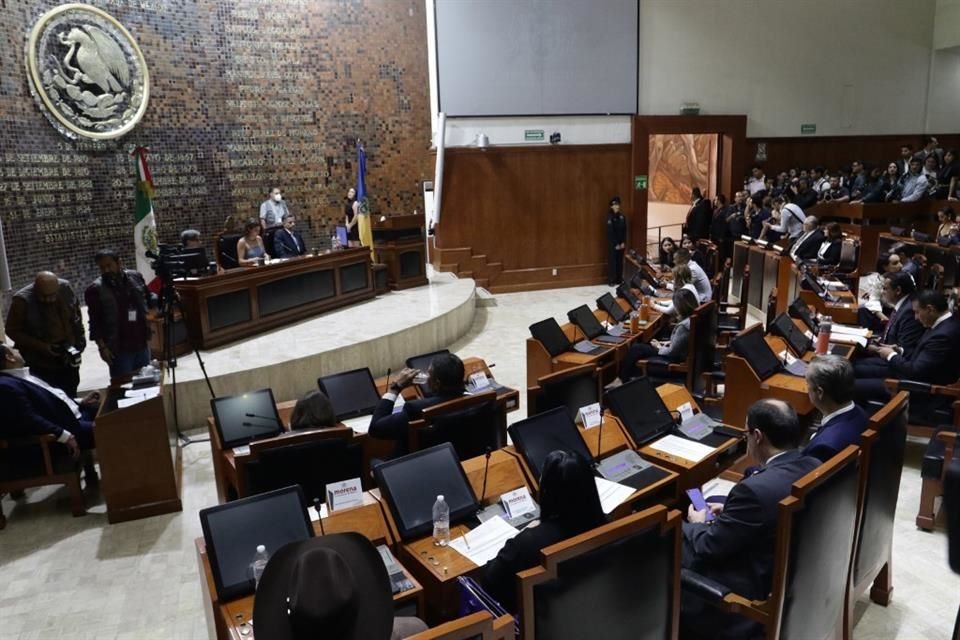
{"x": 144, "y": 224}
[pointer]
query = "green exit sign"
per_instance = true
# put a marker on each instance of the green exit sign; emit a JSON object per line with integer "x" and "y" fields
{"x": 808, "y": 128}
{"x": 640, "y": 183}
{"x": 533, "y": 134}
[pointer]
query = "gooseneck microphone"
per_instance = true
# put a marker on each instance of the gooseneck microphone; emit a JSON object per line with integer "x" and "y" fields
{"x": 486, "y": 470}
{"x": 259, "y": 417}
{"x": 596, "y": 459}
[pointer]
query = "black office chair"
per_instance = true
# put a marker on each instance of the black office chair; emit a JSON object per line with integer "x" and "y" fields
{"x": 620, "y": 580}
{"x": 882, "y": 447}
{"x": 312, "y": 465}
{"x": 471, "y": 424}
{"x": 227, "y": 250}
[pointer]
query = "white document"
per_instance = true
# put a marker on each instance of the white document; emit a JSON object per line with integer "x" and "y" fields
{"x": 849, "y": 330}
{"x": 612, "y": 494}
{"x": 482, "y": 544}
{"x": 717, "y": 487}
{"x": 123, "y": 403}
{"x": 241, "y": 451}
{"x": 398, "y": 403}
{"x": 314, "y": 516}
{"x": 873, "y": 305}
{"x": 682, "y": 448}
{"x": 844, "y": 338}
{"x": 142, "y": 394}
{"x": 360, "y": 424}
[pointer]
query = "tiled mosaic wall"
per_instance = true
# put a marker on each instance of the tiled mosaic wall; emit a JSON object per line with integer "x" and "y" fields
{"x": 245, "y": 94}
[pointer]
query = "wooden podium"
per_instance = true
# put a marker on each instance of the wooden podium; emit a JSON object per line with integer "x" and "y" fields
{"x": 400, "y": 244}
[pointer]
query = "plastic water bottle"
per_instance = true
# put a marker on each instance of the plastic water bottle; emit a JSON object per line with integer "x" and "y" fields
{"x": 260, "y": 559}
{"x": 823, "y": 335}
{"x": 335, "y": 242}
{"x": 441, "y": 522}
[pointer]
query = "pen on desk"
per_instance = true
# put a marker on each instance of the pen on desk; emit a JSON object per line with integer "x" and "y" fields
{"x": 466, "y": 540}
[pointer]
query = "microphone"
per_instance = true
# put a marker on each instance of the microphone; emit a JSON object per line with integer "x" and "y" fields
{"x": 316, "y": 505}
{"x": 259, "y": 417}
{"x": 388, "y": 379}
{"x": 250, "y": 425}
{"x": 596, "y": 459}
{"x": 486, "y": 470}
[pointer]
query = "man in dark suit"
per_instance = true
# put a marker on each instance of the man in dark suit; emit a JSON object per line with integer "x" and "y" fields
{"x": 902, "y": 328}
{"x": 31, "y": 407}
{"x": 736, "y": 549}
{"x": 445, "y": 379}
{"x": 288, "y": 243}
{"x": 830, "y": 387}
{"x": 616, "y": 242}
{"x": 699, "y": 217}
{"x": 935, "y": 359}
{"x": 808, "y": 244}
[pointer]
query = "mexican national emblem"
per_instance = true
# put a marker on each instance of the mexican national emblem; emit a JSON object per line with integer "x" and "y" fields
{"x": 87, "y": 72}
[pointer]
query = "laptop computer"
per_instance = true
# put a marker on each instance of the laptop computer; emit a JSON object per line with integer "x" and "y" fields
{"x": 353, "y": 395}
{"x": 751, "y": 346}
{"x": 798, "y": 309}
{"x": 612, "y": 308}
{"x": 814, "y": 285}
{"x": 410, "y": 485}
{"x": 592, "y": 329}
{"x": 555, "y": 341}
{"x": 536, "y": 437}
{"x": 645, "y": 416}
{"x": 246, "y": 417}
{"x": 232, "y": 532}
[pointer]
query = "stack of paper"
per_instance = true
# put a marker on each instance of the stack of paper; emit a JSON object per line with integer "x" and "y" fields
{"x": 717, "y": 487}
{"x": 682, "y": 448}
{"x": 612, "y": 494}
{"x": 481, "y": 545}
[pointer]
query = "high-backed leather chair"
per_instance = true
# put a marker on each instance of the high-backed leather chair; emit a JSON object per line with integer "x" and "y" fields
{"x": 312, "y": 459}
{"x": 36, "y": 461}
{"x": 227, "y": 250}
{"x": 471, "y": 424}
{"x": 882, "y": 448}
{"x": 619, "y": 581}
{"x": 476, "y": 626}
{"x": 699, "y": 352}
{"x": 816, "y": 526}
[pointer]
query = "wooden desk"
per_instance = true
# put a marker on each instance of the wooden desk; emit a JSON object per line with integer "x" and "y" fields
{"x": 946, "y": 257}
{"x": 140, "y": 461}
{"x": 843, "y": 310}
{"x": 400, "y": 244}
{"x": 245, "y": 301}
{"x": 226, "y": 620}
{"x": 768, "y": 271}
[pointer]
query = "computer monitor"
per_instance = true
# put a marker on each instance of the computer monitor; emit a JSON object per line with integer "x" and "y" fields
{"x": 243, "y": 418}
{"x": 609, "y": 304}
{"x": 232, "y": 532}
{"x": 626, "y": 293}
{"x": 784, "y": 327}
{"x": 352, "y": 393}
{"x": 342, "y": 235}
{"x": 799, "y": 309}
{"x": 551, "y": 336}
{"x": 536, "y": 437}
{"x": 813, "y": 284}
{"x": 583, "y": 318}
{"x": 751, "y": 346}
{"x": 570, "y": 388}
{"x": 640, "y": 409}
{"x": 411, "y": 484}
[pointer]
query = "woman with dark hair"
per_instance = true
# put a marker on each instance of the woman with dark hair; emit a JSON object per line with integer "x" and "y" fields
{"x": 829, "y": 253}
{"x": 947, "y": 219}
{"x": 878, "y": 189}
{"x": 684, "y": 303}
{"x": 569, "y": 505}
{"x": 667, "y": 247}
{"x": 350, "y": 217}
{"x": 947, "y": 177}
{"x": 313, "y": 411}
{"x": 250, "y": 249}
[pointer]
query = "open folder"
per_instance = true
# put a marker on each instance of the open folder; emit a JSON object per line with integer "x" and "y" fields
{"x": 482, "y": 544}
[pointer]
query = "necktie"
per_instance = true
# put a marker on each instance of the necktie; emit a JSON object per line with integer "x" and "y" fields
{"x": 886, "y": 331}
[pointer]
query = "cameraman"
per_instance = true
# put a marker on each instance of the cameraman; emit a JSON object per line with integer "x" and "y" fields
{"x": 44, "y": 322}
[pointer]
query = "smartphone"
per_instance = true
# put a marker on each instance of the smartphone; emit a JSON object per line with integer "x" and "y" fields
{"x": 696, "y": 499}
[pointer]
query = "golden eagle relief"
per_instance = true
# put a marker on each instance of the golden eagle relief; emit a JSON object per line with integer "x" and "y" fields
{"x": 87, "y": 72}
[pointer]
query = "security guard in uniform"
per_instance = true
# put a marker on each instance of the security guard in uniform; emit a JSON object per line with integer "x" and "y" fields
{"x": 616, "y": 242}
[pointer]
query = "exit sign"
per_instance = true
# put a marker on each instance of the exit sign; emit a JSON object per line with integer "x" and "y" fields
{"x": 640, "y": 183}
{"x": 808, "y": 128}
{"x": 533, "y": 134}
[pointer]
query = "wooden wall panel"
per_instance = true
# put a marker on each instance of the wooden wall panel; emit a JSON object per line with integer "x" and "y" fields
{"x": 532, "y": 208}
{"x": 833, "y": 152}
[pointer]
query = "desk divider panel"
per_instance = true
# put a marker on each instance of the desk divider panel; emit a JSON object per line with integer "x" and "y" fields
{"x": 296, "y": 290}
{"x": 228, "y": 309}
{"x": 354, "y": 277}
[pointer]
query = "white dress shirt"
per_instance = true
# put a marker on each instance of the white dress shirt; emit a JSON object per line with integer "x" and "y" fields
{"x": 24, "y": 374}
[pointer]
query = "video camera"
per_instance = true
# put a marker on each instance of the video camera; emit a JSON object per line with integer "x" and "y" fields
{"x": 173, "y": 261}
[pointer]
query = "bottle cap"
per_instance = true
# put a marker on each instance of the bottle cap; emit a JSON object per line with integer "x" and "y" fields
{"x": 261, "y": 548}
{"x": 440, "y": 497}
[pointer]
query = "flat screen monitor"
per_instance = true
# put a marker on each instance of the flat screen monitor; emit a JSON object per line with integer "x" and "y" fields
{"x": 799, "y": 309}
{"x": 784, "y": 327}
{"x": 352, "y": 393}
{"x": 813, "y": 284}
{"x": 583, "y": 317}
{"x": 640, "y": 409}
{"x": 243, "y": 418}
{"x": 232, "y": 532}
{"x": 627, "y": 294}
{"x": 411, "y": 484}
{"x": 569, "y": 390}
{"x": 551, "y": 336}
{"x": 538, "y": 436}
{"x": 609, "y": 304}
{"x": 751, "y": 346}
{"x": 342, "y": 235}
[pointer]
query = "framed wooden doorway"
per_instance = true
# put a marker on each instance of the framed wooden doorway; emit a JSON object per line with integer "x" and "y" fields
{"x": 732, "y": 132}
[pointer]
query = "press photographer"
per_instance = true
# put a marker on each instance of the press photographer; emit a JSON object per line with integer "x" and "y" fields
{"x": 45, "y": 324}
